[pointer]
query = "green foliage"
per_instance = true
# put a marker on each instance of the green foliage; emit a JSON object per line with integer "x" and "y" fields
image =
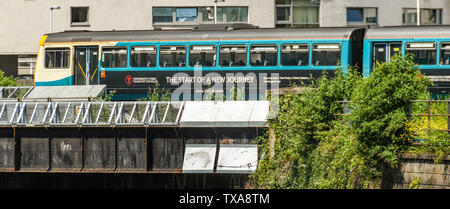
{"x": 314, "y": 148}
{"x": 337, "y": 164}
{"x": 382, "y": 107}
{"x": 301, "y": 124}
{"x": 415, "y": 183}
{"x": 428, "y": 133}
{"x": 107, "y": 97}
{"x": 434, "y": 142}
{"x": 7, "y": 80}
{"x": 157, "y": 94}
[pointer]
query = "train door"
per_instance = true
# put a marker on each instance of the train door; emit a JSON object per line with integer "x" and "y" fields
{"x": 86, "y": 65}
{"x": 382, "y": 52}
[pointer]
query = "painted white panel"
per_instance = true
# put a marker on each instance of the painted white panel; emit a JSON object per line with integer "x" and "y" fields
{"x": 237, "y": 158}
{"x": 199, "y": 158}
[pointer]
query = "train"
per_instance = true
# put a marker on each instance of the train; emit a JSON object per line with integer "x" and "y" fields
{"x": 192, "y": 61}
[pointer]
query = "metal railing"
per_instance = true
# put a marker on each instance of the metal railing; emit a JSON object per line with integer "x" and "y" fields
{"x": 424, "y": 112}
{"x": 429, "y": 115}
{"x": 90, "y": 113}
{"x": 14, "y": 92}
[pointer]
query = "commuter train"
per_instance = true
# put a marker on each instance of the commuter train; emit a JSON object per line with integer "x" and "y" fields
{"x": 131, "y": 62}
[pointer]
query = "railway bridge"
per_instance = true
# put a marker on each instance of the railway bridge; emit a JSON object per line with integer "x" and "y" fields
{"x": 187, "y": 144}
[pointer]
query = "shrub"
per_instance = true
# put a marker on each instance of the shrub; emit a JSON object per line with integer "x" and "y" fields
{"x": 316, "y": 149}
{"x": 7, "y": 80}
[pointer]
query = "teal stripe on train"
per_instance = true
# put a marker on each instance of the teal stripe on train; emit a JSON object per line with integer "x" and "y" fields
{"x": 62, "y": 82}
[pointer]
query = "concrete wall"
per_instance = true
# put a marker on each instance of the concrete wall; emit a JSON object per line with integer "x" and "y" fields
{"x": 334, "y": 12}
{"x": 432, "y": 175}
{"x": 23, "y": 22}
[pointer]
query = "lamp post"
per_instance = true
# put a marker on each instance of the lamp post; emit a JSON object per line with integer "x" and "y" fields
{"x": 208, "y": 9}
{"x": 51, "y": 16}
{"x": 418, "y": 12}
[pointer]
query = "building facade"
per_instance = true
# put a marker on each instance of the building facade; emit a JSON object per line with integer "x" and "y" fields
{"x": 23, "y": 22}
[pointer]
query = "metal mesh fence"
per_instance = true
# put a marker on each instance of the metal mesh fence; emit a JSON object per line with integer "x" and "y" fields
{"x": 66, "y": 154}
{"x": 132, "y": 154}
{"x": 6, "y": 153}
{"x": 34, "y": 153}
{"x": 100, "y": 153}
{"x": 167, "y": 153}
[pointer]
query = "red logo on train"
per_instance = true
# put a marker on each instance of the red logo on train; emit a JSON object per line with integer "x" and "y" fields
{"x": 129, "y": 80}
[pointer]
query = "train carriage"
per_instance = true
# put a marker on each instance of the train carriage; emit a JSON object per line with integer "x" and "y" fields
{"x": 130, "y": 62}
{"x": 430, "y": 46}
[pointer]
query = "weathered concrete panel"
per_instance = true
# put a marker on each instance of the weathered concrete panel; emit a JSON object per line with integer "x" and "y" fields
{"x": 100, "y": 153}
{"x": 225, "y": 114}
{"x": 419, "y": 168}
{"x": 35, "y": 153}
{"x": 237, "y": 158}
{"x": 199, "y": 158}
{"x": 6, "y": 153}
{"x": 199, "y": 114}
{"x": 66, "y": 154}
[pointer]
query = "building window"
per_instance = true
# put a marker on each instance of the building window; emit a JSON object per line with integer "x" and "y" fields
{"x": 79, "y": 15}
{"x": 297, "y": 13}
{"x": 26, "y": 64}
{"x": 207, "y": 17}
{"x": 162, "y": 15}
{"x": 431, "y": 16}
{"x": 57, "y": 57}
{"x": 283, "y": 14}
{"x": 361, "y": 16}
{"x": 236, "y": 14}
{"x": 172, "y": 15}
{"x": 427, "y": 16}
{"x": 186, "y": 14}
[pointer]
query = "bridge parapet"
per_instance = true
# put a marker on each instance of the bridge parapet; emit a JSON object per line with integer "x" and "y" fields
{"x": 138, "y": 137}
{"x": 140, "y": 114}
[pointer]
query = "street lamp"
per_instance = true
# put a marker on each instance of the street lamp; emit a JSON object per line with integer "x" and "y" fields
{"x": 215, "y": 11}
{"x": 54, "y": 7}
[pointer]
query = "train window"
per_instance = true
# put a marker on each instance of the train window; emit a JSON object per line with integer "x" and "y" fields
{"x": 326, "y": 54}
{"x": 57, "y": 57}
{"x": 263, "y": 55}
{"x": 172, "y": 56}
{"x": 294, "y": 54}
{"x": 424, "y": 53}
{"x": 202, "y": 56}
{"x": 231, "y": 56}
{"x": 445, "y": 54}
{"x": 114, "y": 57}
{"x": 143, "y": 56}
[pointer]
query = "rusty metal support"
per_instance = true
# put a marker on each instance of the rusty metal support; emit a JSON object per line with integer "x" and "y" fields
{"x": 17, "y": 150}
